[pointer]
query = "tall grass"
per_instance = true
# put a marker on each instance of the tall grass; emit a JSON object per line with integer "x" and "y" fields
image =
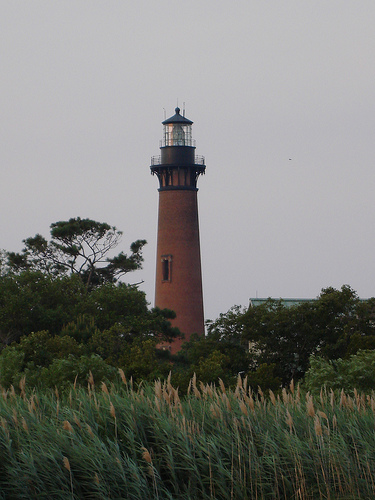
{"x": 121, "y": 442}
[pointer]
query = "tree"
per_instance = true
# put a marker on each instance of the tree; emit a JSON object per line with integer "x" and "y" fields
{"x": 48, "y": 359}
{"x": 33, "y": 355}
{"x": 264, "y": 378}
{"x": 327, "y": 326}
{"x": 211, "y": 368}
{"x": 356, "y": 372}
{"x": 221, "y": 351}
{"x": 228, "y": 326}
{"x": 32, "y": 301}
{"x": 62, "y": 372}
{"x": 111, "y": 304}
{"x": 78, "y": 246}
{"x": 280, "y": 336}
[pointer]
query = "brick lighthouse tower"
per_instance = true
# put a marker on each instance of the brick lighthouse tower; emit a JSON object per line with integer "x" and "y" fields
{"x": 178, "y": 261}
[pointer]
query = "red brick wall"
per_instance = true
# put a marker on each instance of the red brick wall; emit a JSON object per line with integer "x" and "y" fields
{"x": 178, "y": 236}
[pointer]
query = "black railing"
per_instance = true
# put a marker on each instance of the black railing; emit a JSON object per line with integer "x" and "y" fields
{"x": 198, "y": 160}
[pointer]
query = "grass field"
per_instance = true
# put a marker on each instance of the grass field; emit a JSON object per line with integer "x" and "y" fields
{"x": 146, "y": 443}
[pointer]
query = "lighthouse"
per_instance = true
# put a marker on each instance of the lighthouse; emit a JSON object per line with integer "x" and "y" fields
{"x": 178, "y": 261}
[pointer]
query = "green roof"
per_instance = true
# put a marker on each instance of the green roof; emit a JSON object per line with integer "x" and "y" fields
{"x": 285, "y": 302}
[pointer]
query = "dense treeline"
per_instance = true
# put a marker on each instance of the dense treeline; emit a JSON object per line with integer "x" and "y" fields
{"x": 63, "y": 313}
{"x": 334, "y": 326}
{"x": 53, "y": 329}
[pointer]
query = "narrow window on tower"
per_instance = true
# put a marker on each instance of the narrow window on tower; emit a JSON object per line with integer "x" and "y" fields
{"x": 166, "y": 270}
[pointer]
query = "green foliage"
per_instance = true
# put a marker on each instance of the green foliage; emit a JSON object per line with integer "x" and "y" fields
{"x": 332, "y": 326}
{"x": 33, "y": 355}
{"x": 61, "y": 372}
{"x": 211, "y": 368}
{"x": 210, "y": 357}
{"x": 136, "y": 355}
{"x": 33, "y": 301}
{"x": 225, "y": 336}
{"x": 81, "y": 330}
{"x": 36, "y": 256}
{"x": 41, "y": 348}
{"x": 110, "y": 304}
{"x": 358, "y": 371}
{"x": 11, "y": 366}
{"x": 264, "y": 377}
{"x": 78, "y": 246}
{"x": 273, "y": 343}
{"x": 48, "y": 361}
{"x": 359, "y": 341}
{"x": 110, "y": 344}
{"x": 61, "y": 302}
{"x": 129, "y": 343}
{"x": 228, "y": 326}
{"x": 141, "y": 361}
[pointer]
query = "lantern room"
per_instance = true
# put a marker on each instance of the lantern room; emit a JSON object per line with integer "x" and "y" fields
{"x": 177, "y": 131}
{"x": 177, "y": 167}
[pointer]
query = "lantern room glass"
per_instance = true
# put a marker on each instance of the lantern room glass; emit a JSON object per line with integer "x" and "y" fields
{"x": 177, "y": 134}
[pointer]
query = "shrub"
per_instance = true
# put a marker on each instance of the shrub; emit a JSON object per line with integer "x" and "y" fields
{"x": 358, "y": 371}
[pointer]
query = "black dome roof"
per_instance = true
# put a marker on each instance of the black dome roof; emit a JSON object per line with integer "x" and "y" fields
{"x": 177, "y": 118}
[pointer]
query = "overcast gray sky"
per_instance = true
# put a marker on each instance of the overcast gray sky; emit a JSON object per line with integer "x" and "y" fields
{"x": 282, "y": 98}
